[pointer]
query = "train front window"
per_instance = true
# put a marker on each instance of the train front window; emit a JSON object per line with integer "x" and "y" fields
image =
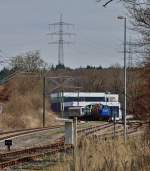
{"x": 114, "y": 111}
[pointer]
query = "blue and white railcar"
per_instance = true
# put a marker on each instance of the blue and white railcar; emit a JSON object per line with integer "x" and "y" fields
{"x": 66, "y": 100}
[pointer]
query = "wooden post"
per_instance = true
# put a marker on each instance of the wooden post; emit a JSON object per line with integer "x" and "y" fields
{"x": 44, "y": 80}
{"x": 62, "y": 103}
{"x": 78, "y": 97}
{"x": 114, "y": 125}
{"x": 75, "y": 144}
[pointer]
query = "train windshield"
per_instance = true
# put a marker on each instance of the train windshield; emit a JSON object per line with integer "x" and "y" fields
{"x": 114, "y": 111}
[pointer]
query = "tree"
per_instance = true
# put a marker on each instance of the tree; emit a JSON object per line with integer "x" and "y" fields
{"x": 60, "y": 66}
{"x": 135, "y": 2}
{"x": 4, "y": 73}
{"x": 30, "y": 61}
{"x": 140, "y": 19}
{"x": 106, "y": 2}
{"x": 139, "y": 11}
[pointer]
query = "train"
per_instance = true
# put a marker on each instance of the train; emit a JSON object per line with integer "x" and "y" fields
{"x": 101, "y": 111}
{"x": 96, "y": 111}
{"x": 87, "y": 105}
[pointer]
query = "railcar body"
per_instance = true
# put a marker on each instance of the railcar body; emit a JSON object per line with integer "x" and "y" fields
{"x": 83, "y": 102}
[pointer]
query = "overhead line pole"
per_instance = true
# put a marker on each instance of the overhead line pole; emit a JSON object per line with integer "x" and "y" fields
{"x": 125, "y": 81}
{"x": 44, "y": 87}
{"x": 125, "y": 77}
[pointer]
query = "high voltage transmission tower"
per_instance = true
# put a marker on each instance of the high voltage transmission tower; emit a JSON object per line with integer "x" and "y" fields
{"x": 58, "y": 29}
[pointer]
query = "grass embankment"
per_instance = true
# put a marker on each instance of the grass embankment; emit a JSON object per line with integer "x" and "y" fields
{"x": 100, "y": 155}
{"x": 24, "y": 106}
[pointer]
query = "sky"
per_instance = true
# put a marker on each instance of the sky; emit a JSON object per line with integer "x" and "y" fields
{"x": 98, "y": 39}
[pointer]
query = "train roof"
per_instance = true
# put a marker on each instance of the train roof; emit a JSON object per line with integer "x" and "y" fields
{"x": 84, "y": 94}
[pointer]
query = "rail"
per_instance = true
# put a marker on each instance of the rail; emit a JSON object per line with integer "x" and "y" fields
{"x": 20, "y": 156}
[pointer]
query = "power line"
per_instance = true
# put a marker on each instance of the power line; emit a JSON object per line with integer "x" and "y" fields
{"x": 60, "y": 33}
{"x": 130, "y": 57}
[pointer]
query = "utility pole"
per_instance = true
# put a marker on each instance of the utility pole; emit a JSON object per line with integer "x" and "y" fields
{"x": 62, "y": 102}
{"x": 75, "y": 143}
{"x": 44, "y": 81}
{"x": 60, "y": 33}
{"x": 114, "y": 119}
{"x": 78, "y": 97}
{"x": 125, "y": 76}
{"x": 125, "y": 81}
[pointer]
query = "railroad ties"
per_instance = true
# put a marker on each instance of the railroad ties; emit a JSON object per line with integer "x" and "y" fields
{"x": 132, "y": 129}
{"x": 21, "y": 156}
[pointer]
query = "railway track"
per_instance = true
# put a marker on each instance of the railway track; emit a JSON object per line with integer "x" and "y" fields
{"x": 20, "y": 156}
{"x": 133, "y": 128}
{"x": 94, "y": 129}
{"x": 16, "y": 133}
{"x": 21, "y": 132}
{"x": 33, "y": 155}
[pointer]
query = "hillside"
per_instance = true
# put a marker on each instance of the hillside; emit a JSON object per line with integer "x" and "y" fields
{"x": 22, "y": 104}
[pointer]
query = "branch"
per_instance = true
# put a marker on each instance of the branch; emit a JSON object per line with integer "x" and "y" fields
{"x": 126, "y": 1}
{"x": 105, "y": 3}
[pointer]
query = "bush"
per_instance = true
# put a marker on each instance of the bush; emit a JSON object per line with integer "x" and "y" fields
{"x": 24, "y": 108}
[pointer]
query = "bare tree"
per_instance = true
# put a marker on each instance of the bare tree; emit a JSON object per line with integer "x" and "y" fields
{"x": 135, "y": 2}
{"x": 30, "y": 61}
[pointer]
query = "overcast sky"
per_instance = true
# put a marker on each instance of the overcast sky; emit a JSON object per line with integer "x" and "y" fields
{"x": 24, "y": 27}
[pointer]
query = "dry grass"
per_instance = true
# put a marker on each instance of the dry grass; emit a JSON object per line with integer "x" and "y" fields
{"x": 100, "y": 155}
{"x": 24, "y": 108}
{"x": 112, "y": 156}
